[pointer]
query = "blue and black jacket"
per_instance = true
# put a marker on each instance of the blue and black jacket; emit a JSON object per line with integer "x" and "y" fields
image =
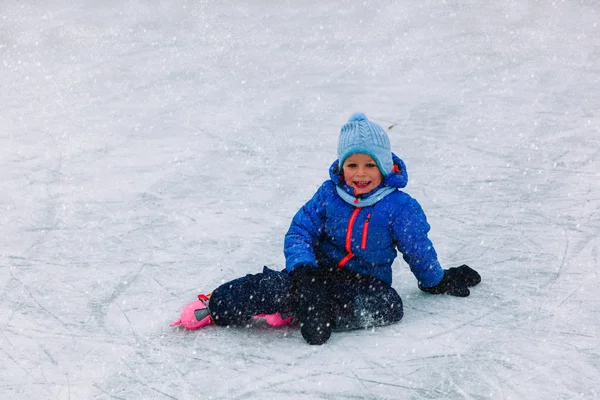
{"x": 335, "y": 229}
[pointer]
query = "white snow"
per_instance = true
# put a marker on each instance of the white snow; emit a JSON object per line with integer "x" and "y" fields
{"x": 151, "y": 150}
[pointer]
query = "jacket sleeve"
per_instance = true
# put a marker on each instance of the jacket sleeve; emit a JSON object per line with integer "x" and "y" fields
{"x": 410, "y": 235}
{"x": 304, "y": 233}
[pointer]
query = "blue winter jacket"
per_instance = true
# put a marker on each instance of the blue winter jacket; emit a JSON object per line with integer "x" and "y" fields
{"x": 334, "y": 229}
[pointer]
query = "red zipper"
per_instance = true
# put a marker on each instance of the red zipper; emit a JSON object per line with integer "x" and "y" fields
{"x": 365, "y": 232}
{"x": 348, "y": 256}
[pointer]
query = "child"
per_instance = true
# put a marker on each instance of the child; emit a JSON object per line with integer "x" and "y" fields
{"x": 339, "y": 250}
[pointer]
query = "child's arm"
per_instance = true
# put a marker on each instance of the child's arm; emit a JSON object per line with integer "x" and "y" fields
{"x": 304, "y": 232}
{"x": 410, "y": 233}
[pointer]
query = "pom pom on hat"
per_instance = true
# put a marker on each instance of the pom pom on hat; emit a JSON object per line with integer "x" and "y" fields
{"x": 360, "y": 135}
{"x": 357, "y": 116}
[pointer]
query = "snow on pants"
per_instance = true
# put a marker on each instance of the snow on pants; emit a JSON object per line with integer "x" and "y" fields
{"x": 357, "y": 301}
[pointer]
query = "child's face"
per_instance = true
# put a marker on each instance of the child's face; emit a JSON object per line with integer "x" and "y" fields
{"x": 361, "y": 173}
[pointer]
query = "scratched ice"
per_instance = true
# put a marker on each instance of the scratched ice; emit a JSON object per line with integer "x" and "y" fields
{"x": 150, "y": 150}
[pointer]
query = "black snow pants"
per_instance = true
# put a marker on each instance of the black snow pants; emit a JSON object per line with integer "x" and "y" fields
{"x": 357, "y": 301}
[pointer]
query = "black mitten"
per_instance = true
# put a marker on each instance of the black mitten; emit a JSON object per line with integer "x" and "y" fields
{"x": 456, "y": 282}
{"x": 465, "y": 274}
{"x": 313, "y": 308}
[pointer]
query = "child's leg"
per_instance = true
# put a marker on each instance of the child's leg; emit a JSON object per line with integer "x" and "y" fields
{"x": 235, "y": 302}
{"x": 363, "y": 302}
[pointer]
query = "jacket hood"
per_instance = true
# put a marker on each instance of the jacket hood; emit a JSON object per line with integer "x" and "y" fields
{"x": 396, "y": 179}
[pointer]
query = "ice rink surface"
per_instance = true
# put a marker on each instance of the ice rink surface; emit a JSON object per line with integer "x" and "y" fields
{"x": 151, "y": 150}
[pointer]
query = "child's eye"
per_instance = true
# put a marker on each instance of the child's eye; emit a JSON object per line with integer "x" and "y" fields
{"x": 351, "y": 165}
{"x": 371, "y": 165}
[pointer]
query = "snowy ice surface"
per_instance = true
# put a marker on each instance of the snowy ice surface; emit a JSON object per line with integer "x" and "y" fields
{"x": 151, "y": 150}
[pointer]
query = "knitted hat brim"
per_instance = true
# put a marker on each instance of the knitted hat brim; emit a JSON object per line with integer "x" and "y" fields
{"x": 385, "y": 169}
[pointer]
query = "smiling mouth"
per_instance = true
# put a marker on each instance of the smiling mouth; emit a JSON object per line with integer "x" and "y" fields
{"x": 361, "y": 184}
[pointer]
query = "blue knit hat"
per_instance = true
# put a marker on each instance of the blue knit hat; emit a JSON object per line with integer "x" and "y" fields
{"x": 359, "y": 135}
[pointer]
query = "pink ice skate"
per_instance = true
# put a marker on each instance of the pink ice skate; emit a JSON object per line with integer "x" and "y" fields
{"x": 195, "y": 315}
{"x": 274, "y": 319}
